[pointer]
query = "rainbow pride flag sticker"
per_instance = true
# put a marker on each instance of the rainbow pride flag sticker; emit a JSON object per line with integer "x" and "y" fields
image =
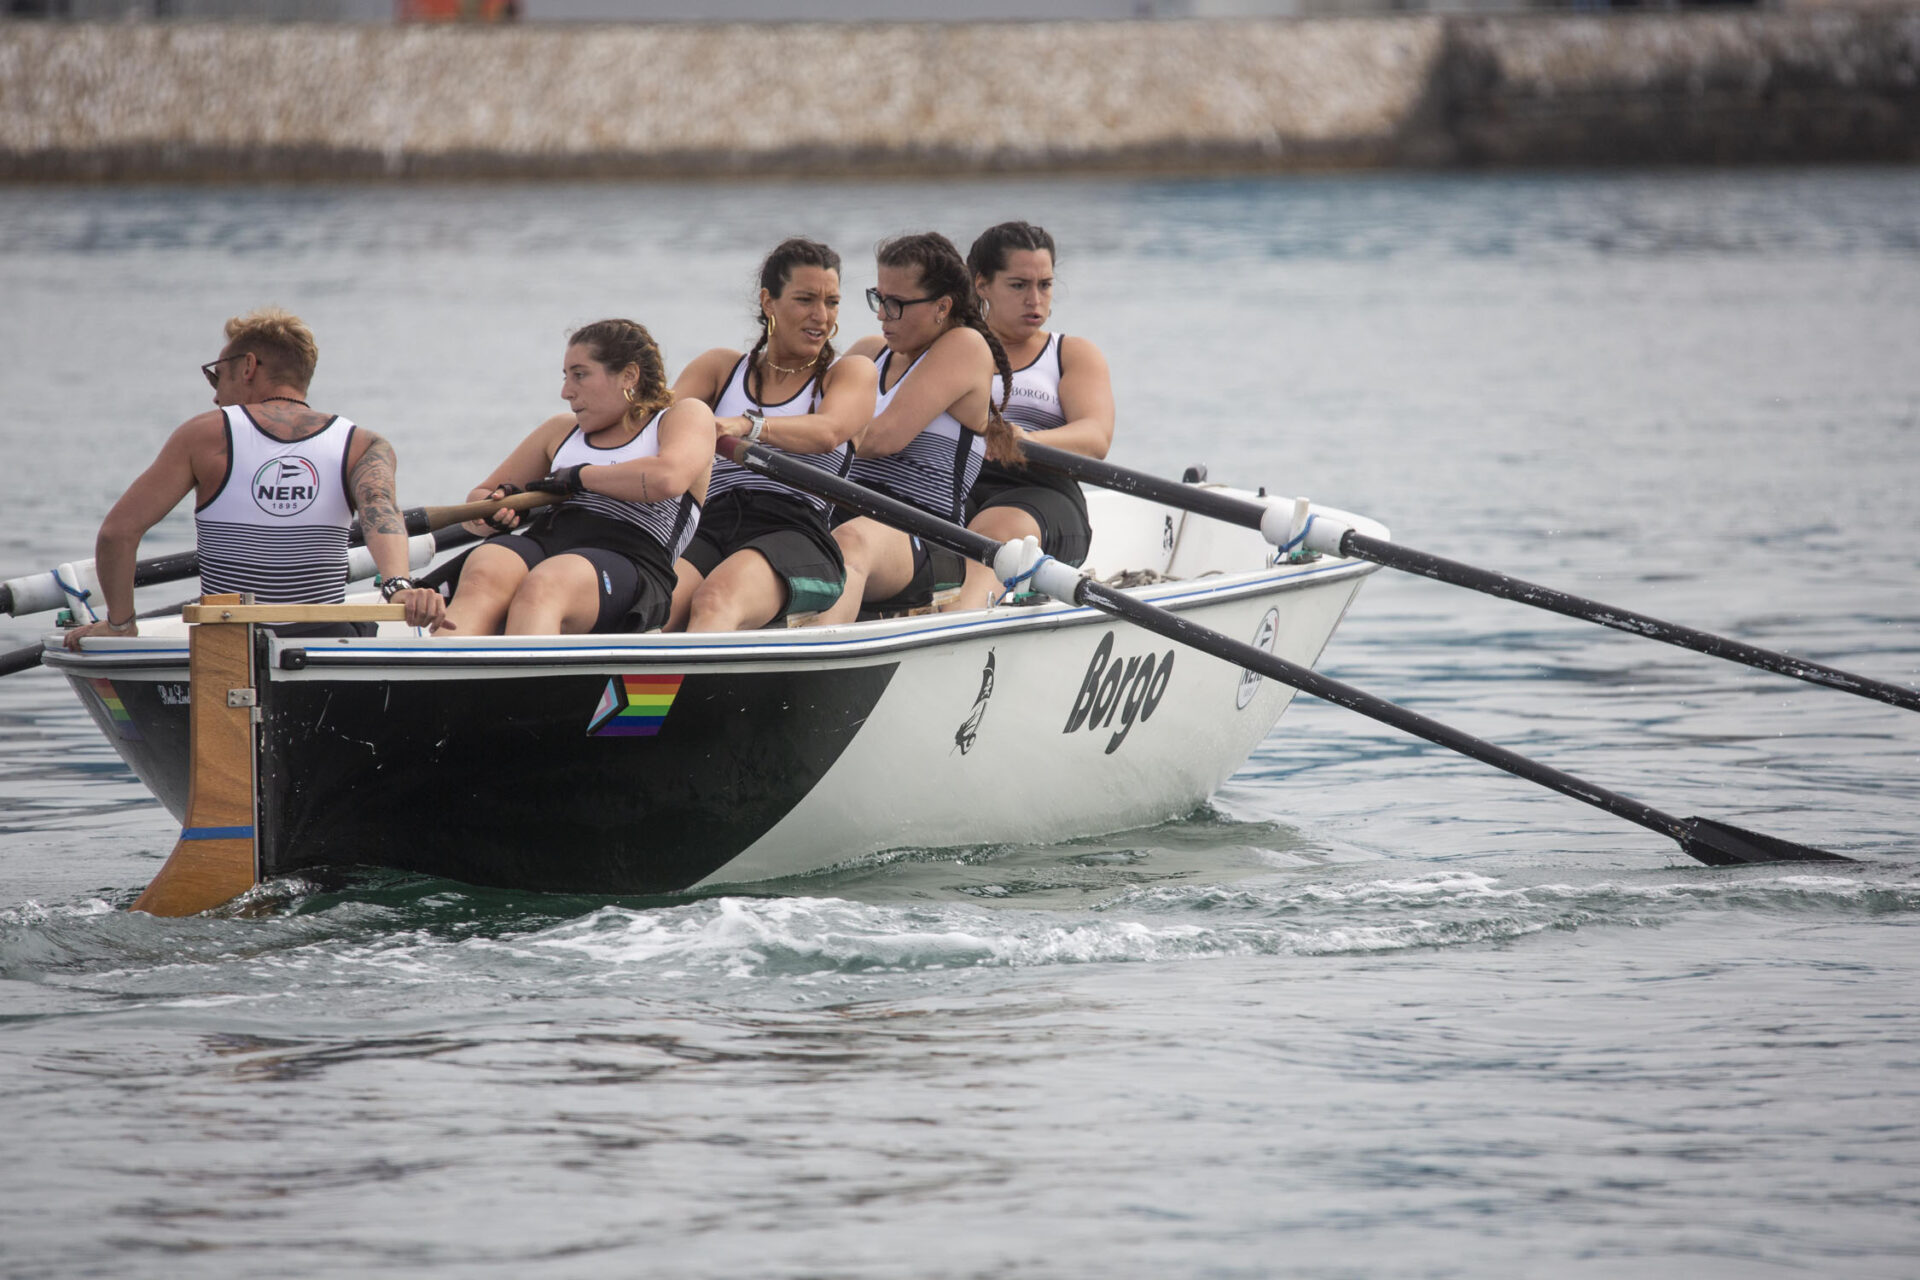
{"x": 634, "y": 706}
{"x": 116, "y": 709}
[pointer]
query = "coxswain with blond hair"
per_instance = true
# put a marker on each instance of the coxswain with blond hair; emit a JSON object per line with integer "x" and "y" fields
{"x": 276, "y": 485}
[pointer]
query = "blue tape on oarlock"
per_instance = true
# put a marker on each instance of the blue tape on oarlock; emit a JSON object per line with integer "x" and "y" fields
{"x": 216, "y": 833}
{"x": 1011, "y": 583}
{"x": 82, "y": 596}
{"x": 1299, "y": 538}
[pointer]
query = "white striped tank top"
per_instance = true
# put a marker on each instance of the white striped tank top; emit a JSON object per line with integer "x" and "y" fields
{"x": 730, "y": 477}
{"x": 670, "y": 522}
{"x": 277, "y": 527}
{"x": 935, "y": 469}
{"x": 1035, "y": 402}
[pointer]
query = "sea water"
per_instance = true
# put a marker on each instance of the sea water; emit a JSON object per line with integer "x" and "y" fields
{"x": 1376, "y": 1011}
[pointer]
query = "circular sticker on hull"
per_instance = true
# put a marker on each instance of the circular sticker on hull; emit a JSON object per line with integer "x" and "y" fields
{"x": 1263, "y": 638}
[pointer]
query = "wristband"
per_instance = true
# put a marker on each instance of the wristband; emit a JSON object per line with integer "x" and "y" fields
{"x": 756, "y": 423}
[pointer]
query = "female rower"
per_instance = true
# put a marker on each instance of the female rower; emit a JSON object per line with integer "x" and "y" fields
{"x": 1062, "y": 396}
{"x": 937, "y": 361}
{"x": 763, "y": 550}
{"x": 632, "y": 466}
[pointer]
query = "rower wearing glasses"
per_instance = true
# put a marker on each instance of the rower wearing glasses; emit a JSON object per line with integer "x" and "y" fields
{"x": 934, "y": 413}
{"x": 277, "y": 483}
{"x": 764, "y": 550}
{"x": 1061, "y": 396}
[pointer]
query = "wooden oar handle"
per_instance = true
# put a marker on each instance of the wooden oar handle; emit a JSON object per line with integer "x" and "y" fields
{"x": 276, "y": 613}
{"x": 442, "y": 517}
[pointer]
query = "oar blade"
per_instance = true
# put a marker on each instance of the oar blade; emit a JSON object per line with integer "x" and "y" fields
{"x": 204, "y": 871}
{"x": 1720, "y": 844}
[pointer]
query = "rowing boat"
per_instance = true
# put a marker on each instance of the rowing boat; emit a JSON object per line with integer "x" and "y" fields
{"x": 632, "y": 764}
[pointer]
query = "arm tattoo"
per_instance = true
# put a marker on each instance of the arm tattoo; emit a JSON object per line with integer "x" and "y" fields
{"x": 372, "y": 482}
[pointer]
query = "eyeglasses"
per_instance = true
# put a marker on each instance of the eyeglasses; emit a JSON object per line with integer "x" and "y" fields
{"x": 888, "y": 307}
{"x": 213, "y": 378}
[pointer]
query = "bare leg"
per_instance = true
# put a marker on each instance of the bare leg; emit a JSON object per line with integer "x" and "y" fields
{"x": 560, "y": 597}
{"x": 686, "y": 582}
{"x": 879, "y": 564}
{"x": 1002, "y": 524}
{"x": 487, "y": 582}
{"x": 743, "y": 592}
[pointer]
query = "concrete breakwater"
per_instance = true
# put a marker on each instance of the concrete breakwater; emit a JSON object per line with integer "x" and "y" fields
{"x": 233, "y": 101}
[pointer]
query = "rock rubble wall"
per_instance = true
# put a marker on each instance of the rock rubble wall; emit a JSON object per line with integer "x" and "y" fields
{"x": 235, "y": 101}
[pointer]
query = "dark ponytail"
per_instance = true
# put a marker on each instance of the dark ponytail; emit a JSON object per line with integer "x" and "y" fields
{"x": 944, "y": 275}
{"x": 775, "y": 273}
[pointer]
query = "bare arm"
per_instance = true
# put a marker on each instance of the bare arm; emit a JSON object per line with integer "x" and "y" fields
{"x": 846, "y": 403}
{"x": 706, "y": 376}
{"x": 952, "y": 377}
{"x": 530, "y": 459}
{"x": 1086, "y": 398}
{"x": 371, "y": 481}
{"x": 683, "y": 464}
{"x": 169, "y": 478}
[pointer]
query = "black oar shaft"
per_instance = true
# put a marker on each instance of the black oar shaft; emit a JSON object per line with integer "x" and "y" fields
{"x": 1239, "y": 511}
{"x": 1395, "y": 556}
{"x": 1307, "y": 680}
{"x": 1716, "y": 844}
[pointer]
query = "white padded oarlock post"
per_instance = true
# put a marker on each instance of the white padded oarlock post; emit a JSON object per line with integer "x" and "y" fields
{"x": 80, "y": 590}
{"x": 1324, "y": 534}
{"x": 1019, "y": 559}
{"x": 1282, "y": 522}
{"x": 38, "y": 592}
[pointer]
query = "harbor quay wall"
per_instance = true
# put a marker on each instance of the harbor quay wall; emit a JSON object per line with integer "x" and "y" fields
{"x": 234, "y": 101}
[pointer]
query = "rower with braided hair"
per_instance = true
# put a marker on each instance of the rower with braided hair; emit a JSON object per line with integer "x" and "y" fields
{"x": 936, "y": 420}
{"x": 631, "y": 465}
{"x": 763, "y": 550}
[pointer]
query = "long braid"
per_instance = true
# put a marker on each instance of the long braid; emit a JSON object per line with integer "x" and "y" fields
{"x": 943, "y": 274}
{"x": 775, "y": 274}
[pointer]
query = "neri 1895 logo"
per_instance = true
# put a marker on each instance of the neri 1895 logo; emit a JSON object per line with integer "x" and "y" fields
{"x": 286, "y": 486}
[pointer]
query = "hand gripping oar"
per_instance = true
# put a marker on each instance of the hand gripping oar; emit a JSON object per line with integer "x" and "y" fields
{"x": 1714, "y": 843}
{"x": 1274, "y": 523}
{"x": 39, "y": 592}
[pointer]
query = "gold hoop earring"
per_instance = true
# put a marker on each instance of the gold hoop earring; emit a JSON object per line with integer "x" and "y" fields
{"x": 628, "y": 393}
{"x": 833, "y": 332}
{"x": 770, "y": 322}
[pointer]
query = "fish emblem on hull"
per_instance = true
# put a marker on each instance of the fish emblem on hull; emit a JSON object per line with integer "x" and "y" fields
{"x": 963, "y": 736}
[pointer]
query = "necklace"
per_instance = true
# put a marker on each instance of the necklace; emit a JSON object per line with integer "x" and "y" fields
{"x": 289, "y": 399}
{"x": 766, "y": 358}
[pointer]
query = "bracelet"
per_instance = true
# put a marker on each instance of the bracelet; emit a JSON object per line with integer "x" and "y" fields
{"x": 391, "y": 587}
{"x": 122, "y": 627}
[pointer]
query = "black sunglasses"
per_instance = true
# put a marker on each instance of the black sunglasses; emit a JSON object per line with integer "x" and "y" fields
{"x": 890, "y": 308}
{"x": 213, "y": 379}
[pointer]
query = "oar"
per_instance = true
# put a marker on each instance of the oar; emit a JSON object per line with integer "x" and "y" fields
{"x": 39, "y": 592}
{"x": 1273, "y": 521}
{"x": 1711, "y": 842}
{"x": 442, "y": 522}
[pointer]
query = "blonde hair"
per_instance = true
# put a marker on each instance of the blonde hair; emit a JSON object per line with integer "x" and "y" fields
{"x": 279, "y": 340}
